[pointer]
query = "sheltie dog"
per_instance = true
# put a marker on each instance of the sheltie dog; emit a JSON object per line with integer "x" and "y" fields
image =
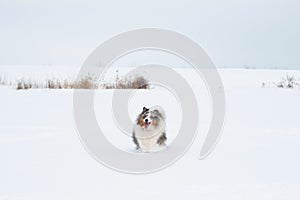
{"x": 149, "y": 131}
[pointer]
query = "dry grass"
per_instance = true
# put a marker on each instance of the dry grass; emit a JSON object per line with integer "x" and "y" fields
{"x": 138, "y": 82}
{"x": 3, "y": 80}
{"x": 87, "y": 82}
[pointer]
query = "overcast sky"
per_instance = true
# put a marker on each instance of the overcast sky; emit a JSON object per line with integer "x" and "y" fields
{"x": 259, "y": 33}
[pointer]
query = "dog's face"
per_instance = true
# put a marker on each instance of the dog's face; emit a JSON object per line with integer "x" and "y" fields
{"x": 149, "y": 118}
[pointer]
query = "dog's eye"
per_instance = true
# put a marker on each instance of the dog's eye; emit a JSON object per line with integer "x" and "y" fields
{"x": 144, "y": 116}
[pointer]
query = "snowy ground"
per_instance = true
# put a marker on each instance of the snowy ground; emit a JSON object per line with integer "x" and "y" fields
{"x": 256, "y": 158}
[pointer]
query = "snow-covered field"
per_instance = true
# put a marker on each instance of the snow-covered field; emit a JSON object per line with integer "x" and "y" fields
{"x": 257, "y": 157}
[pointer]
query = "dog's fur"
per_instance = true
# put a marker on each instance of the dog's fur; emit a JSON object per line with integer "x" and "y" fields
{"x": 149, "y": 131}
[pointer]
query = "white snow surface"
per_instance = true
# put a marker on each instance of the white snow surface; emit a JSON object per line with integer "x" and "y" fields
{"x": 257, "y": 157}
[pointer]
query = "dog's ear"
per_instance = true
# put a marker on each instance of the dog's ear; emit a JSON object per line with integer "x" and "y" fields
{"x": 144, "y": 108}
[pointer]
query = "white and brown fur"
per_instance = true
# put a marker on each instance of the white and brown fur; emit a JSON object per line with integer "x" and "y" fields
{"x": 149, "y": 131}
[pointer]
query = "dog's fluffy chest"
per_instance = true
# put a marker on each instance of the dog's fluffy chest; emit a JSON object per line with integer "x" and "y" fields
{"x": 148, "y": 139}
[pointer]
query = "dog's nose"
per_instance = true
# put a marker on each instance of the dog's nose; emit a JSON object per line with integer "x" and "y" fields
{"x": 146, "y": 120}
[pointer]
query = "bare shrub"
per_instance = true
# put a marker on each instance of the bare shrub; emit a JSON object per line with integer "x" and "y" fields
{"x": 287, "y": 82}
